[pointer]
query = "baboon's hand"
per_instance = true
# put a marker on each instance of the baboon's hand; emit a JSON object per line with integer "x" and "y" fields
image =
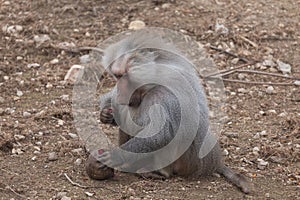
{"x": 106, "y": 116}
{"x": 110, "y": 159}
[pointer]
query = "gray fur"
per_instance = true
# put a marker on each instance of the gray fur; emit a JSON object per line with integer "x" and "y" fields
{"x": 212, "y": 162}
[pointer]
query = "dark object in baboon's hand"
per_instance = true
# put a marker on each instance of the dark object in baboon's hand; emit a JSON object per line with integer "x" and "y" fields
{"x": 95, "y": 170}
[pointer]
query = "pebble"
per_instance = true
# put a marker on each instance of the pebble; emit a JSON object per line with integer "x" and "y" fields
{"x": 78, "y": 161}
{"x": 41, "y": 38}
{"x": 242, "y": 90}
{"x": 270, "y": 90}
{"x": 61, "y": 194}
{"x": 2, "y": 100}
{"x": 297, "y": 83}
{"x": 49, "y": 85}
{"x": 26, "y": 114}
{"x": 78, "y": 150}
{"x": 225, "y": 152}
{"x": 33, "y": 65}
{"x": 66, "y": 198}
{"x": 269, "y": 63}
{"x": 52, "y": 156}
{"x": 65, "y": 97}
{"x": 262, "y": 164}
{"x": 73, "y": 135}
{"x": 136, "y": 25}
{"x": 89, "y": 194}
{"x": 19, "y": 93}
{"x": 54, "y": 61}
{"x": 284, "y": 68}
{"x": 73, "y": 73}
{"x": 85, "y": 59}
{"x": 166, "y": 6}
{"x": 60, "y": 122}
{"x": 241, "y": 76}
{"x": 19, "y": 137}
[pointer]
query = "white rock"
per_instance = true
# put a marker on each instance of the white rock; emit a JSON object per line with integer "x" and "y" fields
{"x": 52, "y": 156}
{"x": 283, "y": 114}
{"x": 60, "y": 122}
{"x": 33, "y": 65}
{"x": 49, "y": 85}
{"x": 263, "y": 133}
{"x": 73, "y": 73}
{"x": 242, "y": 90}
{"x": 72, "y": 135}
{"x": 256, "y": 149}
{"x": 297, "y": 83}
{"x": 284, "y": 68}
{"x": 41, "y": 38}
{"x": 2, "y": 100}
{"x": 221, "y": 29}
{"x": 269, "y": 63}
{"x": 241, "y": 76}
{"x": 166, "y": 6}
{"x": 262, "y": 164}
{"x": 85, "y": 59}
{"x": 270, "y": 90}
{"x": 136, "y": 25}
{"x": 225, "y": 152}
{"x": 65, "y": 97}
{"x": 66, "y": 198}
{"x": 89, "y": 194}
{"x": 78, "y": 161}
{"x": 33, "y": 158}
{"x": 26, "y": 114}
{"x": 66, "y": 45}
{"x": 61, "y": 194}
{"x": 78, "y": 150}
{"x": 54, "y": 61}
{"x": 19, "y": 137}
{"x": 19, "y": 93}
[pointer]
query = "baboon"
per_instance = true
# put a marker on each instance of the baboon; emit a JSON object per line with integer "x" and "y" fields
{"x": 144, "y": 55}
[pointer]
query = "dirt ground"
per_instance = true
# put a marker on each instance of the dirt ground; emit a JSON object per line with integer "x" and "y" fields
{"x": 261, "y": 138}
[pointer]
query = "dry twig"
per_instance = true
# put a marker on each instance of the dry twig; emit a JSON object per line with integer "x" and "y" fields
{"x": 230, "y": 54}
{"x": 73, "y": 183}
{"x": 258, "y": 83}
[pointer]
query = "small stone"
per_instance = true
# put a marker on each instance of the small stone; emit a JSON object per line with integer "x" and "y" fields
{"x": 6, "y": 78}
{"x": 284, "y": 68}
{"x": 241, "y": 76}
{"x": 78, "y": 150}
{"x": 267, "y": 195}
{"x": 89, "y": 194}
{"x": 33, "y": 158}
{"x": 270, "y": 90}
{"x": 136, "y": 25}
{"x": 272, "y": 111}
{"x": 284, "y": 114}
{"x": 61, "y": 195}
{"x": 19, "y": 137}
{"x": 66, "y": 198}
{"x": 78, "y": 162}
{"x": 242, "y": 90}
{"x": 297, "y": 83}
{"x": 52, "y": 156}
{"x": 49, "y": 85}
{"x": 19, "y": 93}
{"x": 2, "y": 100}
{"x": 166, "y": 6}
{"x": 262, "y": 164}
{"x": 26, "y": 114}
{"x": 225, "y": 152}
{"x": 235, "y": 61}
{"x": 60, "y": 122}
{"x": 41, "y": 38}
{"x": 73, "y": 73}
{"x": 269, "y": 63}
{"x": 19, "y": 58}
{"x": 33, "y": 65}
{"x": 85, "y": 59}
{"x": 65, "y": 97}
{"x": 72, "y": 135}
{"x": 54, "y": 61}
{"x": 263, "y": 133}
{"x": 262, "y": 112}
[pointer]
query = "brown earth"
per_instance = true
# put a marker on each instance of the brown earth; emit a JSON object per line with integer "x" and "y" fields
{"x": 271, "y": 28}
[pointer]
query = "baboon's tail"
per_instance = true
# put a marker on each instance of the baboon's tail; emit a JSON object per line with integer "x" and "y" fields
{"x": 237, "y": 179}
